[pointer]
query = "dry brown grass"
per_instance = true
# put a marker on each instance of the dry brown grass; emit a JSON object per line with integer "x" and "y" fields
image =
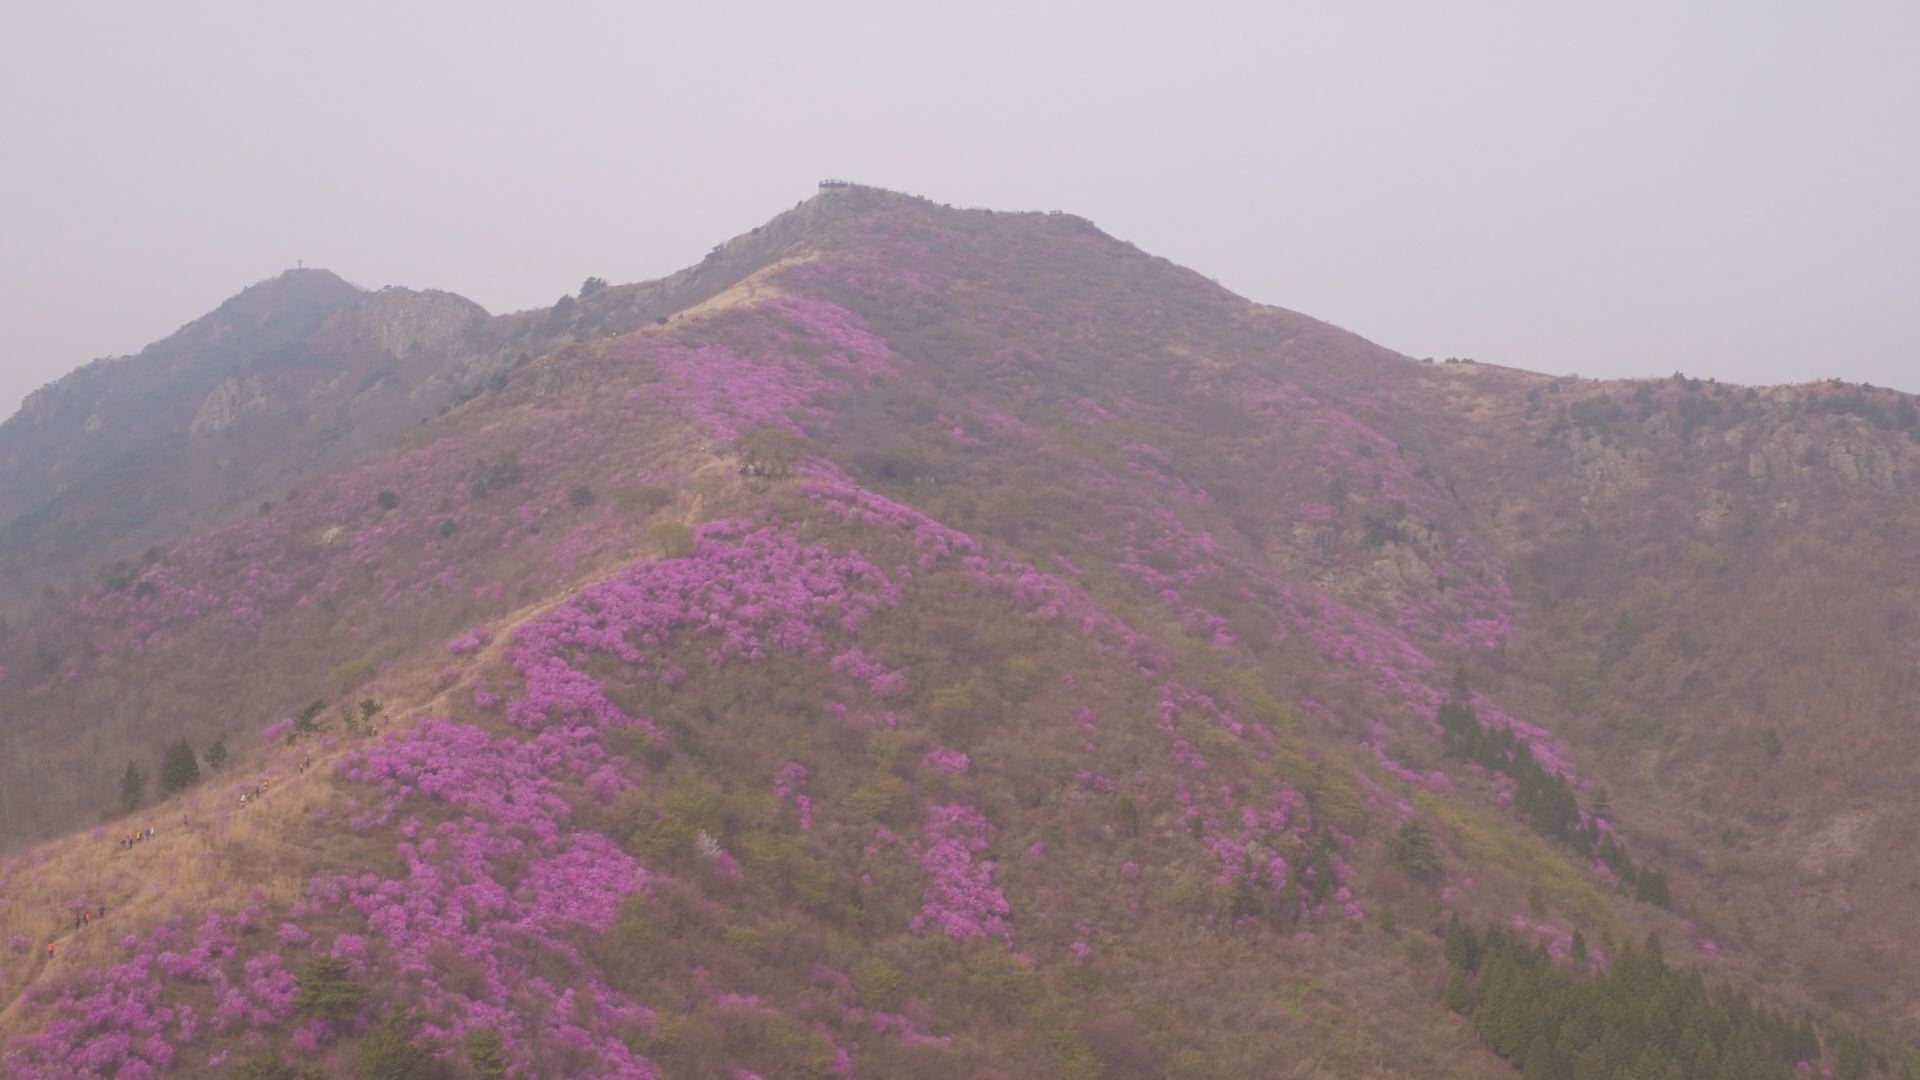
{"x": 227, "y": 855}
{"x": 756, "y": 288}
{"x": 224, "y": 857}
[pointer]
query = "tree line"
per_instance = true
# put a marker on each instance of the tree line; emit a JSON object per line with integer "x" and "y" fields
{"x": 1639, "y": 1018}
{"x": 1545, "y": 800}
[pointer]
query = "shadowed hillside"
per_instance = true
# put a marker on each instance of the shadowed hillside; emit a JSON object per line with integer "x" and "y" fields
{"x": 956, "y": 643}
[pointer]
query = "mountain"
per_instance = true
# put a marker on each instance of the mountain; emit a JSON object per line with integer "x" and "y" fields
{"x": 288, "y": 380}
{"x": 921, "y": 641}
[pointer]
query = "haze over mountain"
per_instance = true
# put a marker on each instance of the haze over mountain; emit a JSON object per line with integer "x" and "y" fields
{"x": 945, "y": 642}
{"x": 1719, "y": 188}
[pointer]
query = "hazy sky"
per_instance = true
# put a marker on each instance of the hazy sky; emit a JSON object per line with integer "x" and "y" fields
{"x": 1610, "y": 189}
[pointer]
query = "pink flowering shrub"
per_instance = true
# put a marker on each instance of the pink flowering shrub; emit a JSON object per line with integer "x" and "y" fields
{"x": 947, "y": 761}
{"x": 471, "y": 642}
{"x": 961, "y": 900}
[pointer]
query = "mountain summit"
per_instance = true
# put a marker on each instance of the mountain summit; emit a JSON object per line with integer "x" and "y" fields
{"x": 936, "y": 642}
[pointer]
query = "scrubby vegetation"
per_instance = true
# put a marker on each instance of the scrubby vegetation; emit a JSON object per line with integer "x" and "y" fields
{"x": 987, "y": 652}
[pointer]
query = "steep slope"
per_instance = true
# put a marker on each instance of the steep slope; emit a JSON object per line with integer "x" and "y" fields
{"x": 952, "y": 643}
{"x": 1723, "y": 585}
{"x": 288, "y": 380}
{"x": 123, "y": 451}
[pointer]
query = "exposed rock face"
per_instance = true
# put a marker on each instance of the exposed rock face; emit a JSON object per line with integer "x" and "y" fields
{"x": 228, "y": 405}
{"x": 406, "y": 323}
{"x": 1719, "y": 507}
{"x": 1606, "y": 470}
{"x": 1783, "y": 455}
{"x": 1856, "y": 457}
{"x": 1402, "y": 567}
{"x": 1860, "y": 461}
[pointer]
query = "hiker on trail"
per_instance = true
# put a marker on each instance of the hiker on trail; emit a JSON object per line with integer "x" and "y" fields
{"x": 103, "y": 911}
{"x": 49, "y": 950}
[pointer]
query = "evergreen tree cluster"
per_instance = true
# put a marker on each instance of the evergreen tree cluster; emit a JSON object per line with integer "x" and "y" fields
{"x": 1642, "y": 1019}
{"x": 179, "y": 770}
{"x": 1545, "y": 800}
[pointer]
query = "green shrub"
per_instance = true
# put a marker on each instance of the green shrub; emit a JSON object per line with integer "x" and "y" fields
{"x": 391, "y": 1052}
{"x": 880, "y": 797}
{"x": 878, "y": 982}
{"x": 1412, "y": 850}
{"x": 268, "y": 1066}
{"x": 770, "y": 452}
{"x": 641, "y": 499}
{"x": 1071, "y": 1055}
{"x": 486, "y": 1054}
{"x": 671, "y": 539}
{"x": 324, "y": 987}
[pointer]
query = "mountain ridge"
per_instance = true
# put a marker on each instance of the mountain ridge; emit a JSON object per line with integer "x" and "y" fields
{"x": 1091, "y": 556}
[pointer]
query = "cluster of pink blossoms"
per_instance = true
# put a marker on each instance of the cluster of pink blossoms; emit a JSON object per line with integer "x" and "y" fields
{"x": 961, "y": 900}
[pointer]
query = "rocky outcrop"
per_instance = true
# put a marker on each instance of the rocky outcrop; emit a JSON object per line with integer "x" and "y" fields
{"x": 1783, "y": 455}
{"x": 1856, "y": 457}
{"x": 1401, "y": 567}
{"x": 228, "y": 404}
{"x": 405, "y": 323}
{"x": 1604, "y": 467}
{"x": 1861, "y": 461}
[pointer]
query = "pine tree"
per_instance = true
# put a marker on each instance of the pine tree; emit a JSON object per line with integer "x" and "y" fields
{"x": 1592, "y": 1064}
{"x": 1652, "y": 889}
{"x": 133, "y": 788}
{"x": 1412, "y": 851}
{"x": 1579, "y": 949}
{"x": 1462, "y": 949}
{"x": 1459, "y": 994}
{"x": 179, "y": 769}
{"x": 1539, "y": 1060}
{"x": 308, "y": 722}
{"x": 1648, "y": 1064}
{"x": 216, "y": 754}
{"x": 1850, "y": 1059}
